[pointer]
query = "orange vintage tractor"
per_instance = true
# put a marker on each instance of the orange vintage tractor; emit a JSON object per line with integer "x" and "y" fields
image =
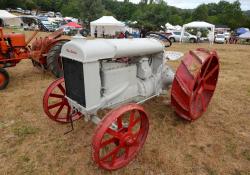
{"x": 44, "y": 52}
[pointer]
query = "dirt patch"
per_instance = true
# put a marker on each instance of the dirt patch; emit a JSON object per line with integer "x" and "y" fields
{"x": 218, "y": 143}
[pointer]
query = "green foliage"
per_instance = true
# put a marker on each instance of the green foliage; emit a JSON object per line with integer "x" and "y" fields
{"x": 71, "y": 9}
{"x": 90, "y": 10}
{"x": 175, "y": 19}
{"x": 201, "y": 13}
{"x": 151, "y": 14}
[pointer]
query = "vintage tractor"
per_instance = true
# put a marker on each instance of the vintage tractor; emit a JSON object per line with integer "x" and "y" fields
{"x": 121, "y": 74}
{"x": 44, "y": 52}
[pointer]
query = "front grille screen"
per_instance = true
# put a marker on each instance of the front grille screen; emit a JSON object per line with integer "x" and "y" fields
{"x": 74, "y": 80}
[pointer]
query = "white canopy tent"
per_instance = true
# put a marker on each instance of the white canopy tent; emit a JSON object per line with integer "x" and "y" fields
{"x": 9, "y": 19}
{"x": 199, "y": 24}
{"x": 245, "y": 35}
{"x": 170, "y": 27}
{"x": 107, "y": 25}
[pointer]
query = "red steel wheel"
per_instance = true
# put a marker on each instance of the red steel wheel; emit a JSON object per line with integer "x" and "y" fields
{"x": 55, "y": 104}
{"x": 4, "y": 78}
{"x": 114, "y": 147}
{"x": 194, "y": 83}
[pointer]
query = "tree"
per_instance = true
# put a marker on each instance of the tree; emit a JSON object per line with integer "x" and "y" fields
{"x": 90, "y": 10}
{"x": 201, "y": 13}
{"x": 152, "y": 16}
{"x": 149, "y": 13}
{"x": 71, "y": 9}
{"x": 29, "y": 4}
{"x": 175, "y": 20}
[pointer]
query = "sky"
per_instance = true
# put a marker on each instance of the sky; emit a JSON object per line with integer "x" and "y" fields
{"x": 191, "y": 4}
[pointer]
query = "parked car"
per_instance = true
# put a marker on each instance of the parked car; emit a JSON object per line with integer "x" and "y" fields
{"x": 66, "y": 30}
{"x": 175, "y": 37}
{"x": 220, "y": 38}
{"x": 33, "y": 13}
{"x": 58, "y": 14}
{"x": 27, "y": 12}
{"x": 51, "y": 14}
{"x": 48, "y": 26}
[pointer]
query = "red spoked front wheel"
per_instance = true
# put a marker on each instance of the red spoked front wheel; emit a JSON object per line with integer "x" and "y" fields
{"x": 120, "y": 136}
{"x": 55, "y": 104}
{"x": 194, "y": 83}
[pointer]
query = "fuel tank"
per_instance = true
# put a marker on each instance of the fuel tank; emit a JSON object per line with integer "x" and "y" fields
{"x": 16, "y": 39}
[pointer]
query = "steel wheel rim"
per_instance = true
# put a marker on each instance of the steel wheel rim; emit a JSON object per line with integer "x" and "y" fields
{"x": 2, "y": 79}
{"x": 191, "y": 92}
{"x": 204, "y": 87}
{"x": 59, "y": 106}
{"x": 124, "y": 138}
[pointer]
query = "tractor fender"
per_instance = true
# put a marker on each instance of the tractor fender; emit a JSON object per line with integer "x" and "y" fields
{"x": 46, "y": 49}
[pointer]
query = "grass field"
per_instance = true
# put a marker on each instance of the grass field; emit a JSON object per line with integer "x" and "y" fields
{"x": 216, "y": 144}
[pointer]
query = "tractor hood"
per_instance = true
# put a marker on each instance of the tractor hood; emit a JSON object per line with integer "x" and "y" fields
{"x": 83, "y": 50}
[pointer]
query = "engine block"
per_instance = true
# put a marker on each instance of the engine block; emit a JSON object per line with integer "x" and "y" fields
{"x": 100, "y": 81}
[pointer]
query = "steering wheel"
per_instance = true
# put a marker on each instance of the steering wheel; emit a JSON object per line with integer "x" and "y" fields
{"x": 160, "y": 37}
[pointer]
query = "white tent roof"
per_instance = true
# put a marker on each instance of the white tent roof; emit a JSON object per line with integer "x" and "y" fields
{"x": 198, "y": 24}
{"x": 107, "y": 21}
{"x": 10, "y": 19}
{"x": 245, "y": 35}
{"x": 5, "y": 15}
{"x": 168, "y": 25}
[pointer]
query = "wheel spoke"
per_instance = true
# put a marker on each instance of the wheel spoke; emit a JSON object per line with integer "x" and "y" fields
{"x": 136, "y": 121}
{"x": 211, "y": 72}
{"x": 56, "y": 95}
{"x": 132, "y": 116}
{"x": 114, "y": 156}
{"x": 205, "y": 72}
{"x": 126, "y": 152}
{"x": 107, "y": 142}
{"x": 111, "y": 153}
{"x": 55, "y": 105}
{"x": 135, "y": 138}
{"x": 203, "y": 102}
{"x": 209, "y": 87}
{"x": 61, "y": 88}
{"x": 68, "y": 113}
{"x": 196, "y": 102}
{"x": 131, "y": 120}
{"x": 119, "y": 122}
{"x": 113, "y": 133}
{"x": 59, "y": 110}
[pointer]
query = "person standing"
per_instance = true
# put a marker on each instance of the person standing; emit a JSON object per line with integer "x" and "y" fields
{"x": 210, "y": 37}
{"x": 143, "y": 33}
{"x": 103, "y": 32}
{"x": 95, "y": 32}
{"x": 198, "y": 35}
{"x": 127, "y": 34}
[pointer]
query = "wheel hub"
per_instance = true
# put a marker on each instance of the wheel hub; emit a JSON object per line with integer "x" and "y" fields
{"x": 127, "y": 139}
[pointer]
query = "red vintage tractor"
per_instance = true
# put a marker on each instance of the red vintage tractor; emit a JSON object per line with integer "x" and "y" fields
{"x": 44, "y": 52}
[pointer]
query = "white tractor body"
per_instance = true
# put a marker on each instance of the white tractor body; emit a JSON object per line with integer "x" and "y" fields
{"x": 107, "y": 72}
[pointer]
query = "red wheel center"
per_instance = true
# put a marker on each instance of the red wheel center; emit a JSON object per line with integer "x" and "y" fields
{"x": 127, "y": 139}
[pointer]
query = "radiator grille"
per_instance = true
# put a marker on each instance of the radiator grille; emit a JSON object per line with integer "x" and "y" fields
{"x": 74, "y": 80}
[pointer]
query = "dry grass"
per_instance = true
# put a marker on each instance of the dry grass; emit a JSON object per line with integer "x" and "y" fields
{"x": 218, "y": 143}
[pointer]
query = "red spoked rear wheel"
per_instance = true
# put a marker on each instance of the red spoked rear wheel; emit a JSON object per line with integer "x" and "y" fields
{"x": 120, "y": 136}
{"x": 4, "y": 78}
{"x": 194, "y": 83}
{"x": 55, "y": 104}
